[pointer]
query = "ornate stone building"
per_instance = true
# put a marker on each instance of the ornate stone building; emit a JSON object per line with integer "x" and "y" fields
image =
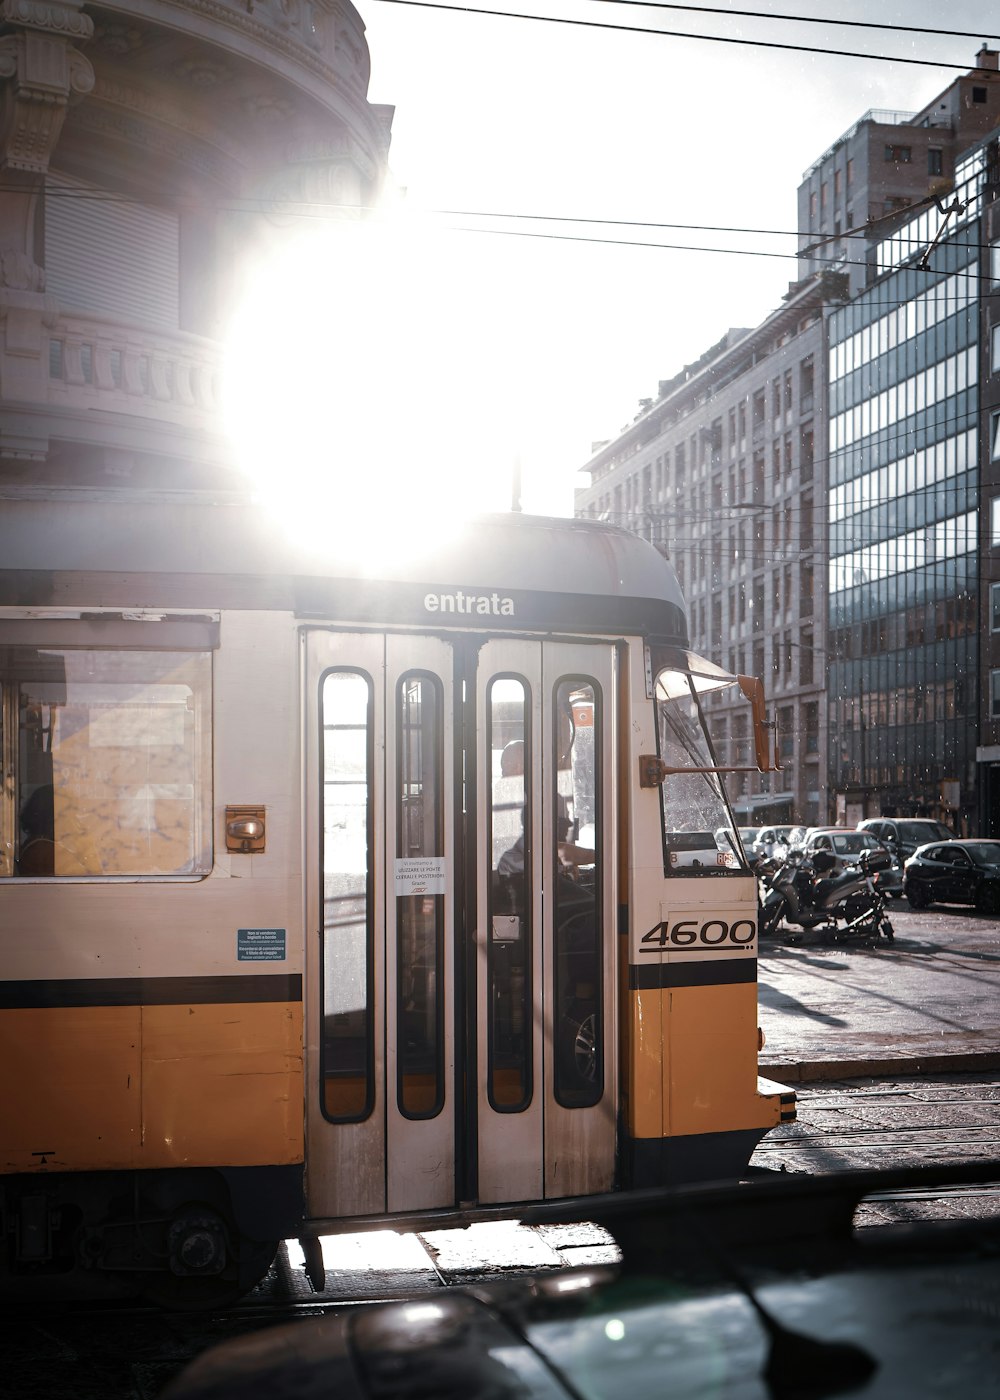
{"x": 147, "y": 150}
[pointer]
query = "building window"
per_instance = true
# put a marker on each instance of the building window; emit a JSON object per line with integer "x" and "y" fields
{"x": 979, "y": 94}
{"x": 902, "y": 155}
{"x": 806, "y": 659}
{"x": 995, "y": 436}
{"x": 786, "y": 732}
{"x": 836, "y": 182}
{"x": 995, "y": 695}
{"x": 934, "y": 161}
{"x": 995, "y": 521}
{"x": 995, "y": 349}
{"x": 812, "y": 205}
{"x": 850, "y": 173}
{"x": 995, "y": 607}
{"x": 995, "y": 263}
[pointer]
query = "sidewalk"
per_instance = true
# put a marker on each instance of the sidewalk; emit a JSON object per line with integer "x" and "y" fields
{"x": 927, "y": 1004}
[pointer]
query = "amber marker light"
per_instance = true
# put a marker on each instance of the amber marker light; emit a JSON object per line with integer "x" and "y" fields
{"x": 245, "y": 830}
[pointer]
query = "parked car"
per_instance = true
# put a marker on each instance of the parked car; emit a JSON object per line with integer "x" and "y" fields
{"x": 771, "y": 836}
{"x": 954, "y": 872}
{"x": 904, "y": 834}
{"x": 846, "y": 846}
{"x": 750, "y": 835}
{"x": 760, "y": 841}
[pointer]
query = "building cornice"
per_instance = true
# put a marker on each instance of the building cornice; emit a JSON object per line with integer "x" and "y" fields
{"x": 805, "y": 298}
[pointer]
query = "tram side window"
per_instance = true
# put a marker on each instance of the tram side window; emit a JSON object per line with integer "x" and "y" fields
{"x": 576, "y": 893}
{"x": 111, "y": 758}
{"x": 698, "y": 831}
{"x": 508, "y": 952}
{"x": 347, "y": 1054}
{"x": 420, "y": 975}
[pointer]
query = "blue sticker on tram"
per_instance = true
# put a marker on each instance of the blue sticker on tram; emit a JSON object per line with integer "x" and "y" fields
{"x": 260, "y": 944}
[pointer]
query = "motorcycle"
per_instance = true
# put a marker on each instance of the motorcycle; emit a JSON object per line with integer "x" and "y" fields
{"x": 802, "y": 891}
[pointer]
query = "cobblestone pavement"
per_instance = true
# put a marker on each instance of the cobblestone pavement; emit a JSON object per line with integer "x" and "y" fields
{"x": 910, "y": 1121}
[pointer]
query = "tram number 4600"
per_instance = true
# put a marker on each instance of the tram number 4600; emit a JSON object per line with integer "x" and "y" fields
{"x": 698, "y": 933}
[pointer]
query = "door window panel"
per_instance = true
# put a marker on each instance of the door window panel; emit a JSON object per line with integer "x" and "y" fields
{"x": 347, "y": 1055}
{"x": 508, "y": 953}
{"x": 420, "y": 917}
{"x": 111, "y": 754}
{"x": 576, "y": 893}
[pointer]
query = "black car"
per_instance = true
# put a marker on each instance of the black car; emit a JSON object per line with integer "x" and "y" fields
{"x": 904, "y": 835}
{"x": 954, "y": 872}
{"x": 762, "y": 1289}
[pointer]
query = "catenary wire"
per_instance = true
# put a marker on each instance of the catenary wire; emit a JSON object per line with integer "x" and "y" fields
{"x": 683, "y": 34}
{"x": 724, "y": 12}
{"x": 323, "y": 210}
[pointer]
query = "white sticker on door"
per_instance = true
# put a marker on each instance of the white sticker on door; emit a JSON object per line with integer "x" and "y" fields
{"x": 420, "y": 875}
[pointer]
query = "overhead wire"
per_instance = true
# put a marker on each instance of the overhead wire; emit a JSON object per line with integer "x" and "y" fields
{"x": 681, "y": 34}
{"x": 323, "y": 210}
{"x": 727, "y": 13}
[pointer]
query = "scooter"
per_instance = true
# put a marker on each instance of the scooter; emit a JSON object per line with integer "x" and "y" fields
{"x": 801, "y": 891}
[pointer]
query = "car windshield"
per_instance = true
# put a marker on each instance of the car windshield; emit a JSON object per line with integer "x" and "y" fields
{"x": 923, "y": 831}
{"x": 749, "y": 834}
{"x": 985, "y": 853}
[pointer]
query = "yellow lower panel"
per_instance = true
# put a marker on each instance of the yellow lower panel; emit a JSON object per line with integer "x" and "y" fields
{"x": 105, "y": 1088}
{"x": 69, "y": 1095}
{"x": 646, "y": 1062}
{"x": 693, "y": 1062}
{"x": 222, "y": 1084}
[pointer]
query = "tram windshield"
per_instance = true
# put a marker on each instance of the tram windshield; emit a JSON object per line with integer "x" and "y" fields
{"x": 699, "y": 830}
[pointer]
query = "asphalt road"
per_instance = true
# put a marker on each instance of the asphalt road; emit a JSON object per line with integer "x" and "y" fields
{"x": 930, "y": 1001}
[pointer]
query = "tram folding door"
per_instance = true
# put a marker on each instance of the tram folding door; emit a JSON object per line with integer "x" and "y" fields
{"x": 460, "y": 895}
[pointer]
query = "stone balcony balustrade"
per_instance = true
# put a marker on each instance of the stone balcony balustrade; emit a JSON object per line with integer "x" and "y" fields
{"x": 149, "y": 149}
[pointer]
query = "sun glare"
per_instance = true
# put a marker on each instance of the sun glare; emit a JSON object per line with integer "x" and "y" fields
{"x": 364, "y": 387}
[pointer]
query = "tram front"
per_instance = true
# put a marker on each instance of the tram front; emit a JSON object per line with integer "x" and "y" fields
{"x": 695, "y": 1107}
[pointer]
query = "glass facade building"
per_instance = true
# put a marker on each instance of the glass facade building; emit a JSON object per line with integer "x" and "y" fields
{"x": 903, "y": 512}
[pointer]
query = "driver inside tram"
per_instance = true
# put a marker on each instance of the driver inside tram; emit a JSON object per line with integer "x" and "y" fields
{"x": 571, "y": 855}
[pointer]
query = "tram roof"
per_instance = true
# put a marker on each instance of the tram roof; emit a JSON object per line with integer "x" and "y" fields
{"x": 201, "y": 552}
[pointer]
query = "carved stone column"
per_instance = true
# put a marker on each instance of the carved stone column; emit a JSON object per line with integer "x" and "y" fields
{"x": 40, "y": 71}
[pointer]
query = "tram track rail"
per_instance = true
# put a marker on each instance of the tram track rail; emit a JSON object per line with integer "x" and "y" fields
{"x": 920, "y": 1119}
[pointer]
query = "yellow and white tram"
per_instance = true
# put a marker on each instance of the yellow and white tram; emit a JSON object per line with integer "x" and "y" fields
{"x": 330, "y": 894}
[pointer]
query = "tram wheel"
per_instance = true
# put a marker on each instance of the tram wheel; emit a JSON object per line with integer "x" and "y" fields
{"x": 192, "y": 1293}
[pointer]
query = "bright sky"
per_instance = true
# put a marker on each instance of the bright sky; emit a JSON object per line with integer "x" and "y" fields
{"x": 476, "y": 349}
{"x": 555, "y": 342}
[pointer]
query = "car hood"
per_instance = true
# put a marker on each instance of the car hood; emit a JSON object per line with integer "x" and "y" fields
{"x": 739, "y": 1292}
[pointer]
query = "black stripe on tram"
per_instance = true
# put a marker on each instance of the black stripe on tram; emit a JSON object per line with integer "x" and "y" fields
{"x": 716, "y": 972}
{"x": 150, "y": 991}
